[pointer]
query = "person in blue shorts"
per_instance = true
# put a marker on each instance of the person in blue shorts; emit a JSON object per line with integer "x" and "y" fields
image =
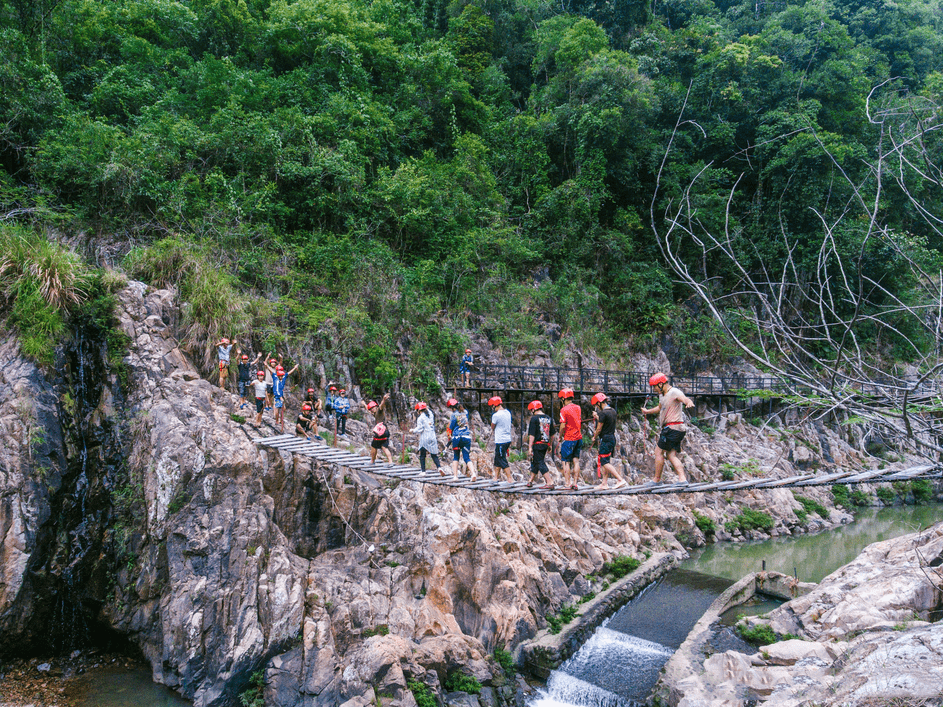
{"x": 341, "y": 406}
{"x": 461, "y": 431}
{"x": 464, "y": 368}
{"x": 278, "y": 393}
{"x": 571, "y": 430}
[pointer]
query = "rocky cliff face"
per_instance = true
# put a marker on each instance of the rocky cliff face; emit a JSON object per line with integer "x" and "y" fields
{"x": 219, "y": 559}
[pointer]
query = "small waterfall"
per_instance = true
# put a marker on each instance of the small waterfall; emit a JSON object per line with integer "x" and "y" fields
{"x": 619, "y": 664}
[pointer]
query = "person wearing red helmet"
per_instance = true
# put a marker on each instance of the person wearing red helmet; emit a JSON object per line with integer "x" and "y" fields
{"x": 428, "y": 444}
{"x": 501, "y": 430}
{"x": 671, "y": 422}
{"x": 381, "y": 432}
{"x": 304, "y": 424}
{"x": 460, "y": 430}
{"x": 540, "y": 433}
{"x": 245, "y": 374}
{"x": 278, "y": 393}
{"x": 571, "y": 430}
{"x": 341, "y": 410}
{"x": 314, "y": 400}
{"x": 464, "y": 368}
{"x": 270, "y": 363}
{"x": 605, "y": 432}
{"x": 259, "y": 388}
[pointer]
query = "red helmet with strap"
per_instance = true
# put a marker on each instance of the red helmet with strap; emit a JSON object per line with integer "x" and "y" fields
{"x": 495, "y": 401}
{"x": 372, "y": 404}
{"x": 451, "y": 403}
{"x": 598, "y": 398}
{"x": 657, "y": 378}
{"x": 565, "y": 393}
{"x": 534, "y": 405}
{"x": 421, "y": 406}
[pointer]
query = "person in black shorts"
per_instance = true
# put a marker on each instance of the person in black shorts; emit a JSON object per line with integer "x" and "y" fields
{"x": 304, "y": 425}
{"x": 671, "y": 419}
{"x": 245, "y": 375}
{"x": 540, "y": 434}
{"x": 606, "y": 435}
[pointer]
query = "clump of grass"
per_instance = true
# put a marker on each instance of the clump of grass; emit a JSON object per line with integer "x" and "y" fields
{"x": 759, "y": 635}
{"x": 620, "y": 566}
{"x": 705, "y": 524}
{"x": 460, "y": 682}
{"x": 922, "y": 491}
{"x": 749, "y": 519}
{"x": 40, "y": 283}
{"x": 381, "y": 630}
{"x": 860, "y": 498}
{"x": 212, "y": 306}
{"x": 810, "y": 505}
{"x": 886, "y": 495}
{"x": 841, "y": 496}
{"x": 505, "y": 660}
{"x": 422, "y": 694}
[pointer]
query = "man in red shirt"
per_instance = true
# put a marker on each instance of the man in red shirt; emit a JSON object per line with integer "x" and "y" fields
{"x": 571, "y": 424}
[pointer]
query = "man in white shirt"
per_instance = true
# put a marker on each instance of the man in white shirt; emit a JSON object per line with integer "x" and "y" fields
{"x": 501, "y": 428}
{"x": 671, "y": 422}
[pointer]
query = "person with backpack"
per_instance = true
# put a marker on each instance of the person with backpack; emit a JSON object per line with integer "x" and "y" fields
{"x": 460, "y": 430}
{"x": 671, "y": 421}
{"x": 428, "y": 444}
{"x": 606, "y": 434}
{"x": 381, "y": 431}
{"x": 540, "y": 434}
{"x": 501, "y": 429}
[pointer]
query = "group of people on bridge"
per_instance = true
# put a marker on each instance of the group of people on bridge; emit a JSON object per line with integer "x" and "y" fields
{"x": 545, "y": 436}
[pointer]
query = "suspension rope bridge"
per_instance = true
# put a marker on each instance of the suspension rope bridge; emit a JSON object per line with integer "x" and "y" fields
{"x": 331, "y": 455}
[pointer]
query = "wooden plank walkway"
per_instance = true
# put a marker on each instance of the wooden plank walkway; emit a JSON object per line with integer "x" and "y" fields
{"x": 332, "y": 455}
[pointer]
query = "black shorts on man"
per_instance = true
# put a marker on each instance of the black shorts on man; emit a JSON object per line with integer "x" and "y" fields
{"x": 538, "y": 461}
{"x": 607, "y": 445}
{"x": 670, "y": 439}
{"x": 501, "y": 455}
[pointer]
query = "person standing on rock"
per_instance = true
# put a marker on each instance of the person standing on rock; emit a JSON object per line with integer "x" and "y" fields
{"x": 464, "y": 368}
{"x": 261, "y": 390}
{"x": 460, "y": 430}
{"x": 245, "y": 374}
{"x": 270, "y": 365}
{"x": 540, "y": 433}
{"x": 381, "y": 431}
{"x": 278, "y": 393}
{"x": 428, "y": 444}
{"x": 342, "y": 409}
{"x": 501, "y": 430}
{"x": 571, "y": 430}
{"x": 606, "y": 434}
{"x": 223, "y": 349}
{"x": 671, "y": 422}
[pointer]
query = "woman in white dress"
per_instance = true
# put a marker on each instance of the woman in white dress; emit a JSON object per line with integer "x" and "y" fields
{"x": 428, "y": 444}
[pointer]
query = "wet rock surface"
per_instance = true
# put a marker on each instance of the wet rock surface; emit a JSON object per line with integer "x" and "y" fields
{"x": 339, "y": 587}
{"x": 863, "y": 639}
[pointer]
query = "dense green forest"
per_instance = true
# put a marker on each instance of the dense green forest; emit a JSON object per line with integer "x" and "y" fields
{"x": 360, "y": 176}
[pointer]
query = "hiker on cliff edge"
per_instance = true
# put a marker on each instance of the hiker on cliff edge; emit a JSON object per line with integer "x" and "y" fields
{"x": 606, "y": 434}
{"x": 671, "y": 422}
{"x": 381, "y": 430}
{"x": 540, "y": 434}
{"x": 464, "y": 368}
{"x": 223, "y": 349}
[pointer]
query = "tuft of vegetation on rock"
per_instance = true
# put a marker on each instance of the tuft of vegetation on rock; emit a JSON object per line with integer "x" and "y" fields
{"x": 749, "y": 519}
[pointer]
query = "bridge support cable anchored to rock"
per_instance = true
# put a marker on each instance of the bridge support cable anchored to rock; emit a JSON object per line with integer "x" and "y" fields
{"x": 332, "y": 455}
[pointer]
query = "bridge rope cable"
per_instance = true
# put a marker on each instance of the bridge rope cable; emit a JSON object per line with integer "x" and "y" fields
{"x": 331, "y": 455}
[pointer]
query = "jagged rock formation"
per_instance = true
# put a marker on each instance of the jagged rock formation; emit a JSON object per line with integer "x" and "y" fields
{"x": 864, "y": 636}
{"x": 219, "y": 559}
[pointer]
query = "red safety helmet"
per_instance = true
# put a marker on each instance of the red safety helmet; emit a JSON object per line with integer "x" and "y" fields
{"x": 333, "y": 387}
{"x": 421, "y": 406}
{"x": 272, "y": 361}
{"x": 310, "y": 391}
{"x": 279, "y": 371}
{"x": 372, "y": 404}
{"x": 467, "y": 350}
{"x": 245, "y": 357}
{"x": 306, "y": 407}
{"x": 495, "y": 401}
{"x": 451, "y": 403}
{"x": 565, "y": 393}
{"x": 343, "y": 390}
{"x": 534, "y": 405}
{"x": 261, "y": 374}
{"x": 657, "y": 378}
{"x": 598, "y": 398}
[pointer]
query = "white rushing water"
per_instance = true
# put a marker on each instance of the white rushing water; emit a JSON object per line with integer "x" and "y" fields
{"x": 611, "y": 669}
